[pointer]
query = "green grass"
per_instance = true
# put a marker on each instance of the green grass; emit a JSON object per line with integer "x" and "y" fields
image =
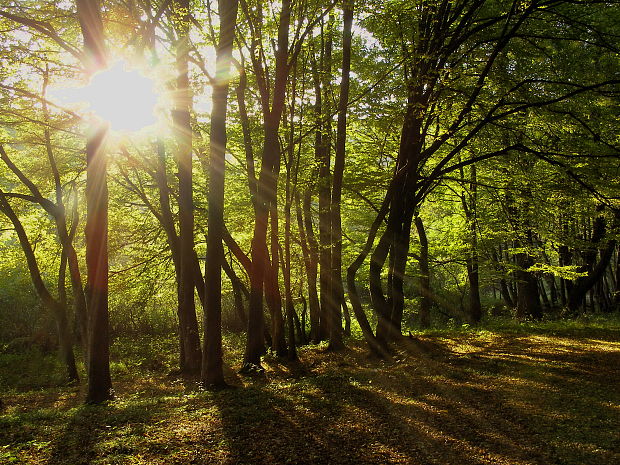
{"x": 534, "y": 393}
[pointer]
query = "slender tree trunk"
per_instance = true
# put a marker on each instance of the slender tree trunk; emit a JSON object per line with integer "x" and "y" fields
{"x": 400, "y": 251}
{"x": 292, "y": 173}
{"x": 425, "y": 284}
{"x": 266, "y": 196}
{"x": 58, "y": 212}
{"x": 322, "y": 151}
{"x": 290, "y": 308}
{"x": 167, "y": 222}
{"x": 543, "y": 293}
{"x": 238, "y": 292}
{"x": 616, "y": 299}
{"x": 310, "y": 251}
{"x": 503, "y": 285}
{"x": 565, "y": 258}
{"x": 475, "y": 307}
{"x": 553, "y": 290}
{"x": 188, "y": 324}
{"x": 335, "y": 330}
{"x": 273, "y": 297}
{"x": 379, "y": 302}
{"x": 346, "y": 313}
{"x": 255, "y": 346}
{"x": 57, "y": 309}
{"x": 65, "y": 236}
{"x": 303, "y": 335}
{"x": 247, "y": 135}
{"x": 376, "y": 346}
{"x": 212, "y": 364}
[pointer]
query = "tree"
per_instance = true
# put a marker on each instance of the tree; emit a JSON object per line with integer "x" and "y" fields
{"x": 335, "y": 332}
{"x": 264, "y": 269}
{"x": 99, "y": 380}
{"x": 436, "y": 43}
{"x": 212, "y": 374}
{"x": 191, "y": 355}
{"x": 55, "y": 306}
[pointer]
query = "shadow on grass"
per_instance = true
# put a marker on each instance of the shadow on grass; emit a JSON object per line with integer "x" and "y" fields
{"x": 511, "y": 402}
{"x": 97, "y": 431}
{"x": 470, "y": 399}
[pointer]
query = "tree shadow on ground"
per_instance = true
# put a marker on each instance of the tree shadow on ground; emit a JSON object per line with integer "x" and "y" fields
{"x": 87, "y": 428}
{"x": 504, "y": 399}
{"x": 510, "y": 402}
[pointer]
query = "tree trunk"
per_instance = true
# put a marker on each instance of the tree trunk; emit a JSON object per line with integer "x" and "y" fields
{"x": 335, "y": 329}
{"x": 292, "y": 173}
{"x": 212, "y": 364}
{"x": 65, "y": 235}
{"x": 503, "y": 285}
{"x": 475, "y": 307}
{"x": 528, "y": 301}
{"x": 425, "y": 284}
{"x": 310, "y": 251}
{"x": 290, "y": 308}
{"x": 266, "y": 190}
{"x": 238, "y": 291}
{"x": 616, "y": 285}
{"x": 58, "y": 310}
{"x": 346, "y": 313}
{"x": 273, "y": 297}
{"x": 379, "y": 303}
{"x": 376, "y": 346}
{"x": 583, "y": 285}
{"x": 322, "y": 151}
{"x": 188, "y": 325}
{"x": 395, "y": 240}
{"x": 99, "y": 380}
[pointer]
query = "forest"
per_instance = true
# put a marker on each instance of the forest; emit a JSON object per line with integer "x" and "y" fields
{"x": 309, "y": 231}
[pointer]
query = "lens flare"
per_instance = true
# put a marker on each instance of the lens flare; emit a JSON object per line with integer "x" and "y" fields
{"x": 124, "y": 98}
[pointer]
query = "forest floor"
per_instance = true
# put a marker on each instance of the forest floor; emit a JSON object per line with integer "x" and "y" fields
{"x": 520, "y": 395}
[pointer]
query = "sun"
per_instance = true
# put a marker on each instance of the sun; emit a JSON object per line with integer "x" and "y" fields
{"x": 125, "y": 98}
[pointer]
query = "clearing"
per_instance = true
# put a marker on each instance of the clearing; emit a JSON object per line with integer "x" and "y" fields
{"x": 530, "y": 395}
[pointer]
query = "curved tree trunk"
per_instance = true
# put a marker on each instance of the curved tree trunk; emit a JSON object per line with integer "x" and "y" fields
{"x": 583, "y": 285}
{"x": 58, "y": 310}
{"x": 595, "y": 270}
{"x": 376, "y": 346}
{"x": 66, "y": 235}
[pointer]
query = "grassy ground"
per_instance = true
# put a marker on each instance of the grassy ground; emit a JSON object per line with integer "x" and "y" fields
{"x": 537, "y": 394}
